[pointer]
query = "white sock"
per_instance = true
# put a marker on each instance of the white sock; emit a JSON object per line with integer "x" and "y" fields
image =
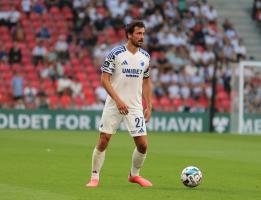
{"x": 137, "y": 162}
{"x": 97, "y": 162}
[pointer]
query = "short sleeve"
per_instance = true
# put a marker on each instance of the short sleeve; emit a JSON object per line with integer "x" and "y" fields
{"x": 109, "y": 64}
{"x": 146, "y": 73}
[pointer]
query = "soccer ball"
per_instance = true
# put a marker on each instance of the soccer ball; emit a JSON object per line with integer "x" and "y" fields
{"x": 191, "y": 176}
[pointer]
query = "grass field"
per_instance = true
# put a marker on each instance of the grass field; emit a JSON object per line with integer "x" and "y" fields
{"x": 54, "y": 165}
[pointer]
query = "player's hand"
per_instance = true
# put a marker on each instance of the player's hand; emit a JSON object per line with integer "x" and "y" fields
{"x": 147, "y": 114}
{"x": 122, "y": 107}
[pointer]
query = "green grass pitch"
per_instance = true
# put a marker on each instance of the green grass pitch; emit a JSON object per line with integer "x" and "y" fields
{"x": 55, "y": 165}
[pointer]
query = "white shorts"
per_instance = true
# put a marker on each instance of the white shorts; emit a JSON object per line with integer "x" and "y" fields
{"x": 134, "y": 122}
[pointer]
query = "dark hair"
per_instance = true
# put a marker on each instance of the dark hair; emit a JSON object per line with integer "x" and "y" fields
{"x": 129, "y": 28}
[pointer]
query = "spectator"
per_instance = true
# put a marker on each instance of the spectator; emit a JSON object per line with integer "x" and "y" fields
{"x": 14, "y": 17}
{"x": 26, "y": 6}
{"x": 117, "y": 23}
{"x": 101, "y": 94}
{"x": 19, "y": 104}
{"x": 163, "y": 62}
{"x": 43, "y": 33}
{"x": 52, "y": 55}
{"x": 256, "y": 11}
{"x": 228, "y": 51}
{"x": 3, "y": 54}
{"x": 117, "y": 8}
{"x": 211, "y": 14}
{"x": 64, "y": 85}
{"x": 49, "y": 71}
{"x": 41, "y": 98}
{"x": 39, "y": 53}
{"x": 15, "y": 54}
{"x": 198, "y": 36}
{"x": 99, "y": 53}
{"x": 204, "y": 7}
{"x": 30, "y": 93}
{"x": 17, "y": 86}
{"x": 178, "y": 57}
{"x": 62, "y": 48}
{"x": 226, "y": 24}
{"x": 208, "y": 56}
{"x": 174, "y": 90}
{"x": 153, "y": 43}
{"x": 38, "y": 7}
{"x": 18, "y": 33}
{"x": 76, "y": 86}
{"x": 88, "y": 39}
{"x": 240, "y": 50}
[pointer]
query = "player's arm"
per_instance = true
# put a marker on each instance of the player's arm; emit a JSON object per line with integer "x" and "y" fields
{"x": 105, "y": 81}
{"x": 147, "y": 94}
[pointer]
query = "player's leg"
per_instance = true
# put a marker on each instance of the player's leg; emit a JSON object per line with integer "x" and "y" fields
{"x": 136, "y": 125}
{"x": 139, "y": 154}
{"x": 138, "y": 158}
{"x": 98, "y": 157}
{"x": 109, "y": 124}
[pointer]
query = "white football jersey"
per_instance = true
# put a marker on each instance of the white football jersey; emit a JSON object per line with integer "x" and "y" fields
{"x": 127, "y": 72}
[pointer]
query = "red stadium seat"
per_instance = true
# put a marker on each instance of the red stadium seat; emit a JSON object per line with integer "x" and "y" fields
{"x": 81, "y": 76}
{"x": 222, "y": 95}
{"x": 3, "y": 97}
{"x": 93, "y": 77}
{"x": 67, "y": 13}
{"x": 53, "y": 102}
{"x": 189, "y": 102}
{"x": 79, "y": 102}
{"x": 204, "y": 102}
{"x": 155, "y": 103}
{"x": 87, "y": 61}
{"x": 86, "y": 84}
{"x": 220, "y": 88}
{"x": 177, "y": 102}
{"x": 75, "y": 62}
{"x": 91, "y": 100}
{"x": 7, "y": 76}
{"x": 65, "y": 101}
{"x": 36, "y": 84}
{"x": 226, "y": 105}
{"x": 96, "y": 84}
{"x": 165, "y": 104}
{"x": 89, "y": 95}
{"x": 29, "y": 68}
{"x": 4, "y": 68}
{"x": 54, "y": 10}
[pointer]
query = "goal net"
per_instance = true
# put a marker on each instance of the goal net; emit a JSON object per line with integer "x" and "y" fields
{"x": 246, "y": 98}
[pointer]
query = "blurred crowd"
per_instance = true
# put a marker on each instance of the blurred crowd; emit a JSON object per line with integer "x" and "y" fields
{"x": 56, "y": 47}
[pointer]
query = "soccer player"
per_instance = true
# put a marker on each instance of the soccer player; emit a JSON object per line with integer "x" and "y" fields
{"x": 125, "y": 77}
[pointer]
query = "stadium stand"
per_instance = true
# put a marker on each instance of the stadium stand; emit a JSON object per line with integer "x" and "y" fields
{"x": 52, "y": 50}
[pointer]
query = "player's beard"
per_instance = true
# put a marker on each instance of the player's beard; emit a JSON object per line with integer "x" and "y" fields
{"x": 138, "y": 43}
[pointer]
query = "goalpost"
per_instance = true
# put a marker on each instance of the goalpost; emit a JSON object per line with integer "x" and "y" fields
{"x": 246, "y": 98}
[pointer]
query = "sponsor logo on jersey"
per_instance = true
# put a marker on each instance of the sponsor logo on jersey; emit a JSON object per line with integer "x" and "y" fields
{"x": 131, "y": 72}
